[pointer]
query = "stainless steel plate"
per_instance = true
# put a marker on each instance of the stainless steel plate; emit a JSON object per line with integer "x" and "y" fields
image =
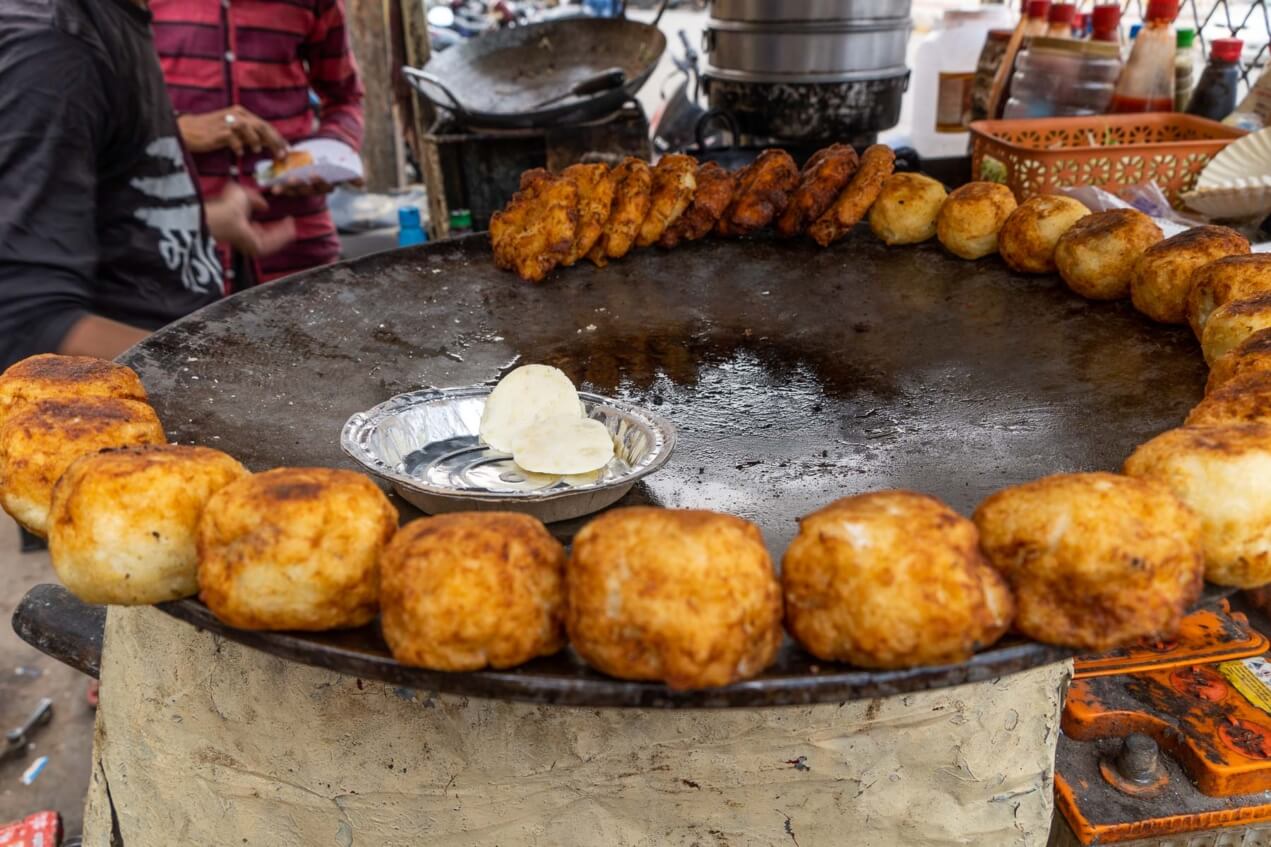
{"x": 426, "y": 444}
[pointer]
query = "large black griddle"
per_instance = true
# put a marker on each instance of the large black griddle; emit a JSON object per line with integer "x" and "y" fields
{"x": 794, "y": 375}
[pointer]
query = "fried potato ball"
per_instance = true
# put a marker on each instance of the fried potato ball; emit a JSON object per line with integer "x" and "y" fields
{"x": 596, "y": 186}
{"x": 294, "y": 548}
{"x": 1224, "y": 474}
{"x": 823, "y": 178}
{"x": 470, "y": 590}
{"x": 906, "y": 209}
{"x": 762, "y": 191}
{"x": 49, "y": 376}
{"x": 1245, "y": 399}
{"x": 971, "y": 217}
{"x": 1253, "y": 355}
{"x": 877, "y": 163}
{"x": 122, "y": 526}
{"x": 891, "y": 579}
{"x": 714, "y": 192}
{"x": 632, "y": 198}
{"x": 687, "y": 597}
{"x": 1096, "y": 560}
{"x": 40, "y": 440}
{"x": 1028, "y": 237}
{"x": 1163, "y": 275}
{"x": 1224, "y": 280}
{"x": 1097, "y": 255}
{"x": 1232, "y": 324}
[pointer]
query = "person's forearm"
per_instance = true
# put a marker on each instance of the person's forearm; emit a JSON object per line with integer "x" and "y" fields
{"x": 93, "y": 335}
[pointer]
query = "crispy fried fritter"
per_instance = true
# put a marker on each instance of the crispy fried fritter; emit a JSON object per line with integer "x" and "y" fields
{"x": 1096, "y": 256}
{"x": 123, "y": 522}
{"x": 1223, "y": 280}
{"x": 1028, "y": 237}
{"x": 761, "y": 194}
{"x": 1163, "y": 276}
{"x": 468, "y": 590}
{"x": 1224, "y": 474}
{"x": 1244, "y": 399}
{"x": 632, "y": 198}
{"x": 674, "y": 181}
{"x": 877, "y": 163}
{"x": 535, "y": 232}
{"x": 1230, "y": 324}
{"x": 686, "y": 597}
{"x": 971, "y": 218}
{"x": 823, "y": 179}
{"x": 39, "y": 441}
{"x": 891, "y": 579}
{"x": 714, "y": 192}
{"x": 906, "y": 209}
{"x": 1097, "y": 560}
{"x": 294, "y": 548}
{"x": 1253, "y": 355}
{"x": 595, "y": 202}
{"x": 48, "y": 376}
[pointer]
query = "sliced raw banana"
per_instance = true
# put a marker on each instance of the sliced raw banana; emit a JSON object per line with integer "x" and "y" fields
{"x": 563, "y": 445}
{"x": 528, "y": 394}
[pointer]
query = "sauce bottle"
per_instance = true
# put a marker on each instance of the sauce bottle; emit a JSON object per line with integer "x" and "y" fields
{"x": 1185, "y": 63}
{"x": 1215, "y": 94}
{"x": 1147, "y": 83}
{"x": 1106, "y": 23}
{"x": 1059, "y": 20}
{"x": 1035, "y": 23}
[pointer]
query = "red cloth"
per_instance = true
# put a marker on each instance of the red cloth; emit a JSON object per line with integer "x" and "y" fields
{"x": 265, "y": 55}
{"x": 43, "y": 829}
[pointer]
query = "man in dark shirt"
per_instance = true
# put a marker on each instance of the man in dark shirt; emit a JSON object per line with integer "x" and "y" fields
{"x": 103, "y": 235}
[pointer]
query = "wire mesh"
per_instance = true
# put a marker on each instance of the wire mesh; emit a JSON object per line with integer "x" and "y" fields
{"x": 1249, "y": 21}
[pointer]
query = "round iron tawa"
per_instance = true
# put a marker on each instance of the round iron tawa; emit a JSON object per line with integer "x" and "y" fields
{"x": 793, "y": 376}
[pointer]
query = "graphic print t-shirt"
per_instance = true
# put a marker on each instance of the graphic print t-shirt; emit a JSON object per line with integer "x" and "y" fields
{"x": 98, "y": 210}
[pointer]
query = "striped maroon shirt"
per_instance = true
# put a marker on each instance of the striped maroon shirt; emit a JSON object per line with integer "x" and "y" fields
{"x": 265, "y": 55}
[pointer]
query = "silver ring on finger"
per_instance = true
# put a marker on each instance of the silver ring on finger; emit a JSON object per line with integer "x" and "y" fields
{"x": 231, "y": 120}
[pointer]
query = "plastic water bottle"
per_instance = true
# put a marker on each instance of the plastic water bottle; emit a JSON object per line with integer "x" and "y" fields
{"x": 409, "y": 231}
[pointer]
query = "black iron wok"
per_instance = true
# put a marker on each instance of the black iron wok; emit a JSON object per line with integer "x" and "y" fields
{"x": 502, "y": 79}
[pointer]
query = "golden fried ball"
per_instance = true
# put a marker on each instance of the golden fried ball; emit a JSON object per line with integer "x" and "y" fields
{"x": 464, "y": 591}
{"x": 1097, "y": 255}
{"x": 1223, "y": 280}
{"x": 906, "y": 209}
{"x": 1245, "y": 399}
{"x": 1231, "y": 324}
{"x": 1028, "y": 238}
{"x": 1163, "y": 275}
{"x": 683, "y": 596}
{"x": 971, "y": 217}
{"x": 122, "y": 526}
{"x": 1253, "y": 355}
{"x": 294, "y": 548}
{"x": 1096, "y": 559}
{"x": 891, "y": 579}
{"x": 49, "y": 376}
{"x": 1224, "y": 474}
{"x": 39, "y": 441}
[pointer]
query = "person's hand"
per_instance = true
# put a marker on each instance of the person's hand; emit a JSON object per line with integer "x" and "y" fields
{"x": 229, "y": 217}
{"x": 235, "y": 128}
{"x": 301, "y": 187}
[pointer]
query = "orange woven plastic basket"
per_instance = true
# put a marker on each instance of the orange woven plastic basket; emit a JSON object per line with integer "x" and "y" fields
{"x": 1041, "y": 155}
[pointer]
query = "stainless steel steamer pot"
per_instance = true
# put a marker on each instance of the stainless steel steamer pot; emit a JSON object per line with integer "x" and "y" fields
{"x": 756, "y": 11}
{"x": 807, "y": 48}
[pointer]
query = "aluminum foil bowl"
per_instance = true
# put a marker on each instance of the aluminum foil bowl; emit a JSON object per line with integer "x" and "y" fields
{"x": 425, "y": 443}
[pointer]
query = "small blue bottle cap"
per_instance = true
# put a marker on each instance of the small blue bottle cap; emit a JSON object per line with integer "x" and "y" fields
{"x": 408, "y": 216}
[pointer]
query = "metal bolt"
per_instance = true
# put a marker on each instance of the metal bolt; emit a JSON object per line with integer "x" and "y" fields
{"x": 1138, "y": 759}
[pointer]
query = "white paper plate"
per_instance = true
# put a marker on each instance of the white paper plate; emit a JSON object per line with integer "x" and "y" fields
{"x": 1249, "y": 198}
{"x": 333, "y": 161}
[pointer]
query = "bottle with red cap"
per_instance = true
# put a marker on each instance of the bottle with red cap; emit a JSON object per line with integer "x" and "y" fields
{"x": 1147, "y": 82}
{"x": 1215, "y": 94}
{"x": 1106, "y": 24}
{"x": 1059, "y": 20}
{"x": 1035, "y": 21}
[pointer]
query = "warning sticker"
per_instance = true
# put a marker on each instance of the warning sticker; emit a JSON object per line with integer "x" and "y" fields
{"x": 1252, "y": 678}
